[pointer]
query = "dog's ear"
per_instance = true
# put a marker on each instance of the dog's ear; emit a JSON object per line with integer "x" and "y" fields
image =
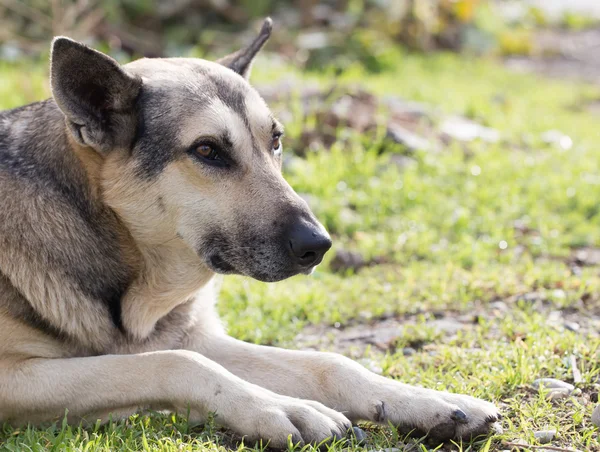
{"x": 241, "y": 61}
{"x": 94, "y": 92}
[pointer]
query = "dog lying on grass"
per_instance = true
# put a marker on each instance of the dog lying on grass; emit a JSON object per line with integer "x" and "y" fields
{"x": 122, "y": 197}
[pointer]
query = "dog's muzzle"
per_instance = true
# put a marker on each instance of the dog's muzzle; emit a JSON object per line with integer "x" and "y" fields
{"x": 307, "y": 244}
{"x": 294, "y": 248}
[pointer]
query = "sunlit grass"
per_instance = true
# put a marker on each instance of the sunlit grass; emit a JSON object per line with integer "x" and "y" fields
{"x": 439, "y": 225}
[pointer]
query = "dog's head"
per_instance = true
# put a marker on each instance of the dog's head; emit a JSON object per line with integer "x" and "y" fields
{"x": 187, "y": 150}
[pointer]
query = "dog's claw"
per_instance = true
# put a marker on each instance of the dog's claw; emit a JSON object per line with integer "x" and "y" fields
{"x": 380, "y": 416}
{"x": 496, "y": 417}
{"x": 335, "y": 436}
{"x": 460, "y": 416}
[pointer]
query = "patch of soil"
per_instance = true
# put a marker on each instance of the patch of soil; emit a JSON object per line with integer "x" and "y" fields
{"x": 588, "y": 256}
{"x": 385, "y": 334}
{"x": 381, "y": 335}
{"x": 563, "y": 54}
{"x": 328, "y": 114}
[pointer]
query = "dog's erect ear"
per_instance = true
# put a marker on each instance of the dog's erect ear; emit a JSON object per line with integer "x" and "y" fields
{"x": 96, "y": 95}
{"x": 241, "y": 61}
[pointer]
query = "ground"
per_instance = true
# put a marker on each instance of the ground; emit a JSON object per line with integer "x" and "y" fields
{"x": 473, "y": 265}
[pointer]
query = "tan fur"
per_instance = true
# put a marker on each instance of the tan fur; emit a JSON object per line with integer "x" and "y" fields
{"x": 82, "y": 214}
{"x": 18, "y": 343}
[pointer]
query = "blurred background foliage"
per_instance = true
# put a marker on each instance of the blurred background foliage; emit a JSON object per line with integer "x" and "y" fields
{"x": 311, "y": 34}
{"x": 461, "y": 191}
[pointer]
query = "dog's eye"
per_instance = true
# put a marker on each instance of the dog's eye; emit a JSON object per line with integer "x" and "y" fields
{"x": 208, "y": 153}
{"x": 276, "y": 145}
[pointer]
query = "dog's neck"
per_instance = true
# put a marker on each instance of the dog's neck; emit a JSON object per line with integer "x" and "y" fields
{"x": 169, "y": 275}
{"x": 167, "y": 271}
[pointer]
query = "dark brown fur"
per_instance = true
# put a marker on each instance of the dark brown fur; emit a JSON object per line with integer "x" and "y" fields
{"x": 115, "y": 216}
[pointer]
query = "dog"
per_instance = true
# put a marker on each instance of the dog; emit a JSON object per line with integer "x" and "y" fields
{"x": 122, "y": 197}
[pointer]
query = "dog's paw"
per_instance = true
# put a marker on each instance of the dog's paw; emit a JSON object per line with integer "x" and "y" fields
{"x": 439, "y": 415}
{"x": 273, "y": 420}
{"x": 476, "y": 417}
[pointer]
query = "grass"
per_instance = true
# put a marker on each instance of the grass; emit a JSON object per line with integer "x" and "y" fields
{"x": 451, "y": 229}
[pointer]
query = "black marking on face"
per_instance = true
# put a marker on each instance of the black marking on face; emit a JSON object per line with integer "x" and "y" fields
{"x": 233, "y": 97}
{"x": 156, "y": 142}
{"x": 221, "y": 143}
{"x": 226, "y": 140}
{"x": 220, "y": 148}
{"x": 159, "y": 125}
{"x": 255, "y": 147}
{"x": 259, "y": 252}
{"x": 161, "y": 110}
{"x": 221, "y": 265}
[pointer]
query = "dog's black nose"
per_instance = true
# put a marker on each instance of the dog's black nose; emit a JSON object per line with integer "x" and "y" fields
{"x": 308, "y": 244}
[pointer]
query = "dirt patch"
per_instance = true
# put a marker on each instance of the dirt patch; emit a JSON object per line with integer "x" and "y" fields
{"x": 409, "y": 334}
{"x": 330, "y": 114}
{"x": 565, "y": 54}
{"x": 588, "y": 256}
{"x": 412, "y": 334}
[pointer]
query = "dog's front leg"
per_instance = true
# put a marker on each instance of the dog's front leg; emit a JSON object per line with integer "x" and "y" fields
{"x": 348, "y": 387}
{"x": 43, "y": 389}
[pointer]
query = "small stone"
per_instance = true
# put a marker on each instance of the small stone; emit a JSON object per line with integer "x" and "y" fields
{"x": 499, "y": 305}
{"x": 408, "y": 351}
{"x": 545, "y": 436}
{"x": 555, "y": 316}
{"x": 405, "y": 137}
{"x": 596, "y": 416}
{"x": 558, "y": 394}
{"x": 572, "y": 326}
{"x": 463, "y": 129}
{"x": 587, "y": 256}
{"x": 552, "y": 383}
{"x": 359, "y": 435}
